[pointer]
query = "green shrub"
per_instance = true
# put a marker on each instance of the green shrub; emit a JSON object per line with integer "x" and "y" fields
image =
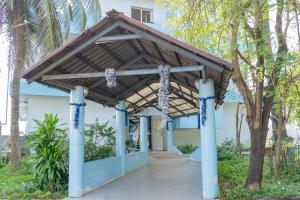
{"x": 187, "y": 148}
{"x": 100, "y": 141}
{"x": 131, "y": 146}
{"x": 50, "y": 154}
{"x": 233, "y": 175}
{"x": 227, "y": 150}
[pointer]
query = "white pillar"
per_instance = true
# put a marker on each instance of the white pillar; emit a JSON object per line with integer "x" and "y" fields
{"x": 76, "y": 140}
{"x": 121, "y": 133}
{"x": 143, "y": 133}
{"x": 170, "y": 136}
{"x": 208, "y": 142}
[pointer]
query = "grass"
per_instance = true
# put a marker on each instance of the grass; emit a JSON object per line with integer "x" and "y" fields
{"x": 233, "y": 174}
{"x": 20, "y": 184}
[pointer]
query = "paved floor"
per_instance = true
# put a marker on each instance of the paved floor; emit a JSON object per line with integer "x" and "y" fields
{"x": 162, "y": 179}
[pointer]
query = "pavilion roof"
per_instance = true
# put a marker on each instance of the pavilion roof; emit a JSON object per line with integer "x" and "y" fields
{"x": 123, "y": 43}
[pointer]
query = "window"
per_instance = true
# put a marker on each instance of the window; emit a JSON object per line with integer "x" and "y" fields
{"x": 141, "y": 14}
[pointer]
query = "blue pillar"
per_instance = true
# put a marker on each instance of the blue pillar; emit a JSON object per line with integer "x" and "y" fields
{"x": 143, "y": 133}
{"x": 170, "y": 136}
{"x": 208, "y": 142}
{"x": 76, "y": 140}
{"x": 120, "y": 132}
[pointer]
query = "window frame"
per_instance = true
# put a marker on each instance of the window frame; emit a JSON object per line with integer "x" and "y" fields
{"x": 141, "y": 13}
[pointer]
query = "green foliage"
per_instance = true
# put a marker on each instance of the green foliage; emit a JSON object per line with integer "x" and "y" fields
{"x": 50, "y": 151}
{"x": 227, "y": 150}
{"x": 100, "y": 141}
{"x": 131, "y": 146}
{"x": 49, "y": 22}
{"x": 20, "y": 183}
{"x": 233, "y": 174}
{"x": 187, "y": 148}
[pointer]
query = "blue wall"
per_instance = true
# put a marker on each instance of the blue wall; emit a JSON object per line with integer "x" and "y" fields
{"x": 39, "y": 89}
{"x": 135, "y": 161}
{"x": 99, "y": 172}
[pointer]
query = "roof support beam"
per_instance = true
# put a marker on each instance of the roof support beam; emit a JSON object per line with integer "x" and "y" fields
{"x": 90, "y": 93}
{"x": 172, "y": 47}
{"x": 122, "y": 73}
{"x": 126, "y": 65}
{"x": 135, "y": 87}
{"x": 114, "y": 38}
{"x": 194, "y": 89}
{"x": 73, "y": 52}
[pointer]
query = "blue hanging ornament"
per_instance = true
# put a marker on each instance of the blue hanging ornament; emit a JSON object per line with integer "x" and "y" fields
{"x": 204, "y": 107}
{"x": 77, "y": 112}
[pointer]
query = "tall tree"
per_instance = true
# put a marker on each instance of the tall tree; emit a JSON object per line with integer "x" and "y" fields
{"x": 34, "y": 28}
{"x": 241, "y": 31}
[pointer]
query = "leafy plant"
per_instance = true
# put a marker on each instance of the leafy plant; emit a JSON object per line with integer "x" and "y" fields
{"x": 131, "y": 146}
{"x": 227, "y": 150}
{"x": 100, "y": 141}
{"x": 187, "y": 148}
{"x": 50, "y": 151}
{"x": 233, "y": 173}
{"x": 19, "y": 183}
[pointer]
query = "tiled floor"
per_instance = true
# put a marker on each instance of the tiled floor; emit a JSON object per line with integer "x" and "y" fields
{"x": 162, "y": 179}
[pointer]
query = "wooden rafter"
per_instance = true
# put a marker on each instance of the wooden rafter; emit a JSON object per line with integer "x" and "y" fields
{"x": 121, "y": 73}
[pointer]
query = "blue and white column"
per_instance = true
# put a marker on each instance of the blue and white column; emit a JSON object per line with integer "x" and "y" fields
{"x": 121, "y": 132}
{"x": 170, "y": 145}
{"x": 143, "y": 133}
{"x": 208, "y": 140}
{"x": 76, "y": 142}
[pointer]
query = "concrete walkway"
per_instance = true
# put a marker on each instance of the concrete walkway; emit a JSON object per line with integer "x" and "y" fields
{"x": 162, "y": 179}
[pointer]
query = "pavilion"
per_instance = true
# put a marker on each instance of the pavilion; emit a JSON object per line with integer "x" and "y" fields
{"x": 134, "y": 50}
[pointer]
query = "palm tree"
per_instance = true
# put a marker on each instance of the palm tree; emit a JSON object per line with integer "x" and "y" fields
{"x": 33, "y": 26}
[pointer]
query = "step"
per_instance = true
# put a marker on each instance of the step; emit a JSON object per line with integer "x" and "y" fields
{"x": 164, "y": 155}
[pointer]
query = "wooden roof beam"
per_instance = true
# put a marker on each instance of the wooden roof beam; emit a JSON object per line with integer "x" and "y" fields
{"x": 73, "y": 52}
{"x": 126, "y": 65}
{"x": 115, "y": 38}
{"x": 172, "y": 47}
{"x": 121, "y": 73}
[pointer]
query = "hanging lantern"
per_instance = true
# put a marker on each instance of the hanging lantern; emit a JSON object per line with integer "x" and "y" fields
{"x": 110, "y": 76}
{"x": 163, "y": 101}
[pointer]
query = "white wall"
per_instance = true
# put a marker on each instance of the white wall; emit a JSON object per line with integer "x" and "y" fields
{"x": 39, "y": 105}
{"x": 229, "y": 130}
{"x": 225, "y": 124}
{"x": 159, "y": 13}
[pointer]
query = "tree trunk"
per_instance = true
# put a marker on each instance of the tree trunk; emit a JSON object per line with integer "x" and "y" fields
{"x": 275, "y": 122}
{"x": 256, "y": 163}
{"x": 19, "y": 61}
{"x": 278, "y": 155}
{"x": 238, "y": 126}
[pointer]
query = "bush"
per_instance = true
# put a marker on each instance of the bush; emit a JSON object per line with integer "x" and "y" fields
{"x": 187, "y": 148}
{"x": 227, "y": 150}
{"x": 100, "y": 142}
{"x": 50, "y": 154}
{"x": 233, "y": 175}
{"x": 131, "y": 146}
